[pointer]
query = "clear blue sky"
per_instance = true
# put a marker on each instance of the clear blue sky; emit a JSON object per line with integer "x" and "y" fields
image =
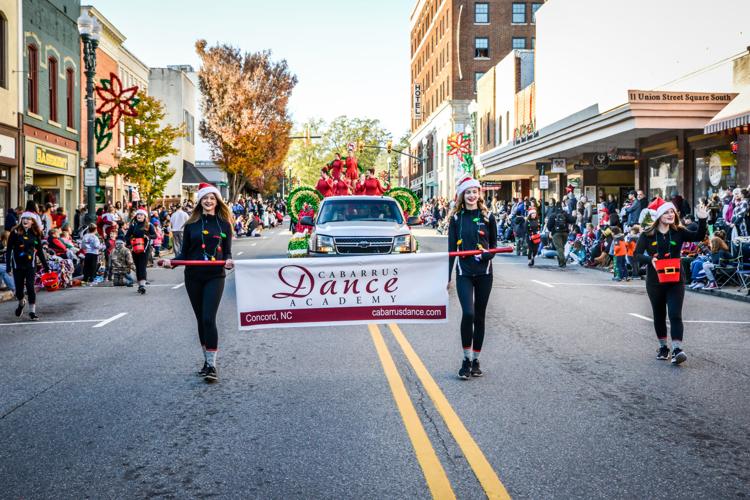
{"x": 351, "y": 57}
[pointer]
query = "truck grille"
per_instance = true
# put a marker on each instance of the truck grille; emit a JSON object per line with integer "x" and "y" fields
{"x": 363, "y": 245}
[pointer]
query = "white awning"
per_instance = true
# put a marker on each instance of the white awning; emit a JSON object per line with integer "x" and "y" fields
{"x": 734, "y": 114}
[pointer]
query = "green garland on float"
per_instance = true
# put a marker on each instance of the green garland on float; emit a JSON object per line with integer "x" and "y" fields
{"x": 407, "y": 198}
{"x": 301, "y": 195}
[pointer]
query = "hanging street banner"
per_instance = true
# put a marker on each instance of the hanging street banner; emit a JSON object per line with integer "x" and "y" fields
{"x": 284, "y": 293}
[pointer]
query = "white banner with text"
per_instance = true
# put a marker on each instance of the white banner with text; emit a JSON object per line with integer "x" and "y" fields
{"x": 284, "y": 293}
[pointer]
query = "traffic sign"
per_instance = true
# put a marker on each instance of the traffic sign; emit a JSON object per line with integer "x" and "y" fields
{"x": 90, "y": 177}
{"x": 543, "y": 182}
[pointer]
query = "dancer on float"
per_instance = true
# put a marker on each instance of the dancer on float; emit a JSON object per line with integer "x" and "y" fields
{"x": 472, "y": 227}
{"x": 337, "y": 167}
{"x": 372, "y": 185}
{"x": 325, "y": 183}
{"x": 138, "y": 238}
{"x": 340, "y": 187}
{"x": 207, "y": 236}
{"x": 24, "y": 246}
{"x": 359, "y": 186}
{"x": 352, "y": 169}
{"x": 663, "y": 240}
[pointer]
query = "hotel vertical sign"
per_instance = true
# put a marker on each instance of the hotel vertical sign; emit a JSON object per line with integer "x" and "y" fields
{"x": 417, "y": 101}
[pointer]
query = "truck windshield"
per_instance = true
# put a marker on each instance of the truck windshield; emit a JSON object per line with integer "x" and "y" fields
{"x": 360, "y": 210}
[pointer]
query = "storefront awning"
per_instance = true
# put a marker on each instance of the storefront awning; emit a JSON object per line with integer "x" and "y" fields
{"x": 191, "y": 175}
{"x": 734, "y": 114}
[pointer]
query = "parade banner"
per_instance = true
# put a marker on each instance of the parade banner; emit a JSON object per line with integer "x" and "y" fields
{"x": 284, "y": 293}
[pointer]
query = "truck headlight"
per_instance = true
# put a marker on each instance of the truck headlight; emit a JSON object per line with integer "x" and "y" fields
{"x": 402, "y": 244}
{"x": 324, "y": 244}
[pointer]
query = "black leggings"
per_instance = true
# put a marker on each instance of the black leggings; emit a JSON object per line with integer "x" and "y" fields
{"x": 667, "y": 297}
{"x": 139, "y": 259}
{"x": 533, "y": 249}
{"x": 89, "y": 267}
{"x": 473, "y": 293}
{"x": 205, "y": 294}
{"x": 25, "y": 277}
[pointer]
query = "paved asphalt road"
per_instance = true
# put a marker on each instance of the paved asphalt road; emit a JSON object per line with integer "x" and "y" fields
{"x": 573, "y": 403}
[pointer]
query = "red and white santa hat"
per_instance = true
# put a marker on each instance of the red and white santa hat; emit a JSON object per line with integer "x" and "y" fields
{"x": 466, "y": 183}
{"x": 142, "y": 212}
{"x": 35, "y": 217}
{"x": 205, "y": 188}
{"x": 659, "y": 207}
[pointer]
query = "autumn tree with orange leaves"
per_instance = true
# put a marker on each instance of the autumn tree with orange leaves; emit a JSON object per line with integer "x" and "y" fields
{"x": 244, "y": 99}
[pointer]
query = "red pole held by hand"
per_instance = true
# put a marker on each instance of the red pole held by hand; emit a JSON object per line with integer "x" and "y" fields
{"x": 467, "y": 253}
{"x": 195, "y": 263}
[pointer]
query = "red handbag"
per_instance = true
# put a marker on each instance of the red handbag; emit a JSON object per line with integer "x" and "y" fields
{"x": 668, "y": 270}
{"x": 536, "y": 238}
{"x": 138, "y": 245}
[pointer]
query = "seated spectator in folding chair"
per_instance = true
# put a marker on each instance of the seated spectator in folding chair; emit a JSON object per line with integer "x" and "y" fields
{"x": 721, "y": 258}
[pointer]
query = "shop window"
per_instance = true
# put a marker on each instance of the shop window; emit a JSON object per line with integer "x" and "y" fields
{"x": 481, "y": 13}
{"x": 519, "y": 13}
{"x": 3, "y": 51}
{"x": 519, "y": 42}
{"x": 69, "y": 102}
{"x": 481, "y": 47}
{"x": 477, "y": 76}
{"x": 52, "y": 77}
{"x": 665, "y": 177}
{"x": 33, "y": 79}
{"x": 715, "y": 170}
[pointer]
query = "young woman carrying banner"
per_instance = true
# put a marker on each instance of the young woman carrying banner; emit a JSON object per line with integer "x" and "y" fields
{"x": 207, "y": 235}
{"x": 138, "y": 238}
{"x": 472, "y": 226}
{"x": 665, "y": 280}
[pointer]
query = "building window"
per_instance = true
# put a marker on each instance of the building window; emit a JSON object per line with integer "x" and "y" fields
{"x": 519, "y": 43}
{"x": 3, "y": 51}
{"x": 481, "y": 47}
{"x": 534, "y": 8}
{"x": 519, "y": 13}
{"x": 33, "y": 79}
{"x": 477, "y": 76}
{"x": 533, "y": 42}
{"x": 481, "y": 13}
{"x": 189, "y": 126}
{"x": 52, "y": 73}
{"x": 69, "y": 102}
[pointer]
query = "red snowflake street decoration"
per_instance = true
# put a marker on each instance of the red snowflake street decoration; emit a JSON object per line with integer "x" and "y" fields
{"x": 459, "y": 144}
{"x": 116, "y": 101}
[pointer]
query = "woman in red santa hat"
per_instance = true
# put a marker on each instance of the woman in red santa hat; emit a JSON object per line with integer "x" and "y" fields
{"x": 138, "y": 238}
{"x": 207, "y": 235}
{"x": 472, "y": 227}
{"x": 663, "y": 240}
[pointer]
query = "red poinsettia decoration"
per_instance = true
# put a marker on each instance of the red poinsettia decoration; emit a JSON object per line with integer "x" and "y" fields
{"x": 458, "y": 144}
{"x": 116, "y": 101}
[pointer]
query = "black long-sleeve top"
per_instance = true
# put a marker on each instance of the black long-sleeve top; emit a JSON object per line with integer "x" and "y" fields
{"x": 470, "y": 230}
{"x": 665, "y": 246}
{"x": 139, "y": 230}
{"x": 23, "y": 249}
{"x": 213, "y": 232}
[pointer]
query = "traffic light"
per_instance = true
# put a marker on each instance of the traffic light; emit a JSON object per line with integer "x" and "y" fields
{"x": 389, "y": 146}
{"x": 360, "y": 147}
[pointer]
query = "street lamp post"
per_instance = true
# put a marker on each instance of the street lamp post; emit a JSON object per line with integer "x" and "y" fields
{"x": 90, "y": 31}
{"x": 424, "y": 168}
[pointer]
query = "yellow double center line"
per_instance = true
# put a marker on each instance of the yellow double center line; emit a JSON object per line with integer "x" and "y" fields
{"x": 435, "y": 476}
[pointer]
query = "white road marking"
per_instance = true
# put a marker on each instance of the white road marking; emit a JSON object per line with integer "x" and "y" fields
{"x": 178, "y": 286}
{"x": 646, "y": 318}
{"x": 543, "y": 283}
{"x": 591, "y": 284}
{"x": 253, "y": 244}
{"x": 707, "y": 321}
{"x": 239, "y": 253}
{"x": 52, "y": 322}
{"x": 110, "y": 320}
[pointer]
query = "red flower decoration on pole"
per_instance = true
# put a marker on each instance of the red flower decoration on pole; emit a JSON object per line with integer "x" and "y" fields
{"x": 459, "y": 144}
{"x": 116, "y": 101}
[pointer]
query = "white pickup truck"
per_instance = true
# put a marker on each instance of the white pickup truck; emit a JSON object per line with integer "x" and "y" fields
{"x": 360, "y": 225}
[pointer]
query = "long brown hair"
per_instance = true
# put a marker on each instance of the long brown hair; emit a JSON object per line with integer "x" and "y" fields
{"x": 675, "y": 226}
{"x": 19, "y": 229}
{"x": 461, "y": 205}
{"x": 222, "y": 212}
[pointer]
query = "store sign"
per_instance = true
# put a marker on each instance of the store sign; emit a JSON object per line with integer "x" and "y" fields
{"x": 646, "y": 96}
{"x": 89, "y": 177}
{"x": 49, "y": 158}
{"x": 559, "y": 166}
{"x": 525, "y": 115}
{"x": 543, "y": 182}
{"x": 600, "y": 160}
{"x": 417, "y": 101}
{"x": 7, "y": 147}
{"x": 492, "y": 184}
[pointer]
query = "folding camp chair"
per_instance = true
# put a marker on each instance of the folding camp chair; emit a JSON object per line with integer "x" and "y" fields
{"x": 743, "y": 267}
